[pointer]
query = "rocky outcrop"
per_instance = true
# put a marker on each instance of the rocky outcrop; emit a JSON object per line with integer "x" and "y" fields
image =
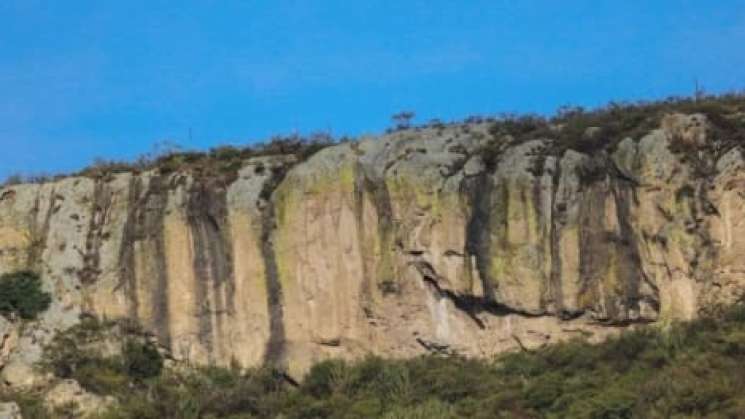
{"x": 417, "y": 241}
{"x": 10, "y": 410}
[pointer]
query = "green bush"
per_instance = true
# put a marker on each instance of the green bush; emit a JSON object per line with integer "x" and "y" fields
{"x": 21, "y": 295}
{"x": 694, "y": 369}
{"x": 101, "y": 376}
{"x": 76, "y": 353}
{"x": 141, "y": 360}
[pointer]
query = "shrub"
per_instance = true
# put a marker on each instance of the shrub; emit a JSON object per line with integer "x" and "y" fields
{"x": 77, "y": 353}
{"x": 101, "y": 376}
{"x": 13, "y": 179}
{"x": 21, "y": 295}
{"x": 327, "y": 377}
{"x": 402, "y": 120}
{"x": 141, "y": 360}
{"x": 689, "y": 370}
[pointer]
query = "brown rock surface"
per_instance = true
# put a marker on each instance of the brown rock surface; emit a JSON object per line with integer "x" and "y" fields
{"x": 397, "y": 246}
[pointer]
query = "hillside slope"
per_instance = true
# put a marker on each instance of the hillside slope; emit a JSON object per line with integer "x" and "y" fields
{"x": 691, "y": 369}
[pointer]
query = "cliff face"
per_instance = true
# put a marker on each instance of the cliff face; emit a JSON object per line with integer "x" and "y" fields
{"x": 398, "y": 245}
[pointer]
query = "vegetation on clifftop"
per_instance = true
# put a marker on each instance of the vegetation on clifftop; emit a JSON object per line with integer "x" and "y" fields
{"x": 572, "y": 127}
{"x": 603, "y": 128}
{"x": 219, "y": 162}
{"x": 694, "y": 369}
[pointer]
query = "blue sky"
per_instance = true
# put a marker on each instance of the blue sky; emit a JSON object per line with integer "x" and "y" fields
{"x": 82, "y": 79}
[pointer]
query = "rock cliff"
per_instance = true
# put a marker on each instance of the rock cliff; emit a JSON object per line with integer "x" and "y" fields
{"x": 443, "y": 239}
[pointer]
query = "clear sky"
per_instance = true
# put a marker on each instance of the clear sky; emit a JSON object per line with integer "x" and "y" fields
{"x": 107, "y": 78}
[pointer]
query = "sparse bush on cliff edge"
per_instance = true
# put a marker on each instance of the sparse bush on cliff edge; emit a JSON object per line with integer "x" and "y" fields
{"x": 21, "y": 295}
{"x": 603, "y": 128}
{"x": 572, "y": 127}
{"x": 219, "y": 162}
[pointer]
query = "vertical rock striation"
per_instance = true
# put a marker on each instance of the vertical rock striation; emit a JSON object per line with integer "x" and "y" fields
{"x": 413, "y": 242}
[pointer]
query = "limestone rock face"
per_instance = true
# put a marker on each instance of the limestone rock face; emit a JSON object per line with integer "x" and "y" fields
{"x": 8, "y": 340}
{"x": 417, "y": 241}
{"x": 10, "y": 411}
{"x": 69, "y": 393}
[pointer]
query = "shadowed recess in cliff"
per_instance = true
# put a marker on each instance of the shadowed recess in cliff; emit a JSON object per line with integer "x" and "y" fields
{"x": 478, "y": 190}
{"x": 359, "y": 213}
{"x": 558, "y": 218}
{"x": 382, "y": 273}
{"x": 274, "y": 353}
{"x": 632, "y": 273}
{"x": 213, "y": 262}
{"x": 610, "y": 266}
{"x": 469, "y": 304}
{"x": 39, "y": 233}
{"x": 100, "y": 208}
{"x": 144, "y": 233}
{"x": 128, "y": 278}
{"x": 543, "y": 203}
